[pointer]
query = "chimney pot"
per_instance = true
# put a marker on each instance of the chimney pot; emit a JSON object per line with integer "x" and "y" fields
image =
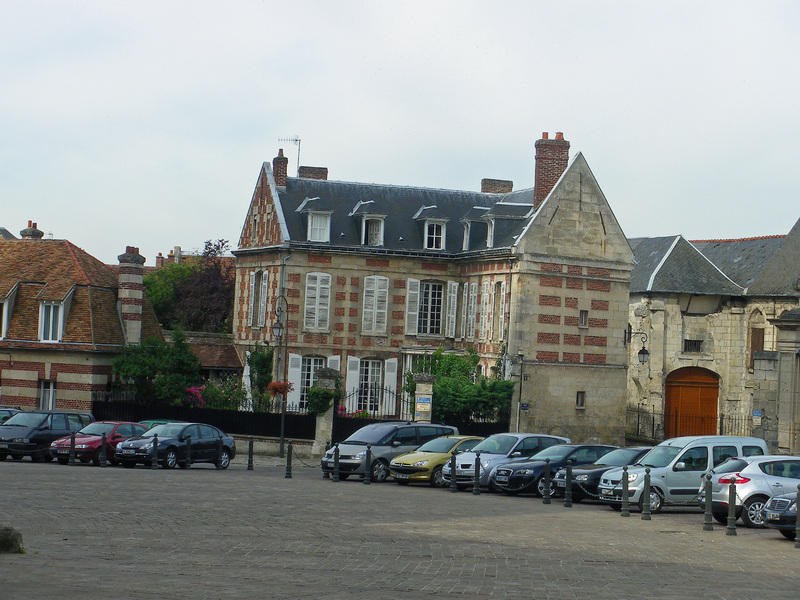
{"x": 280, "y": 167}
{"x": 313, "y": 173}
{"x": 545, "y": 135}
{"x": 559, "y": 136}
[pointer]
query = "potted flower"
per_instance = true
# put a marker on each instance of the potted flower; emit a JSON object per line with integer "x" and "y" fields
{"x": 279, "y": 388}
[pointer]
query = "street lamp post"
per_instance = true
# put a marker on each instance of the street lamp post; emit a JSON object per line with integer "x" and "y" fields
{"x": 278, "y": 329}
{"x": 521, "y": 357}
{"x": 644, "y": 355}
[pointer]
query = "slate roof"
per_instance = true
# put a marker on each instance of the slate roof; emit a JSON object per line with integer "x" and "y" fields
{"x": 742, "y": 260}
{"x": 5, "y": 234}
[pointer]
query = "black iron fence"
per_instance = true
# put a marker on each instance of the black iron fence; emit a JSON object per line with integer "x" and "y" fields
{"x": 647, "y": 425}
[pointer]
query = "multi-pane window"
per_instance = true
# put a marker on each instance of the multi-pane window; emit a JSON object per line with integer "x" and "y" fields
{"x": 376, "y": 304}
{"x": 370, "y": 384}
{"x": 319, "y": 227}
{"x": 434, "y": 235}
{"x": 430, "y": 308}
{"x": 258, "y": 299}
{"x": 583, "y": 318}
{"x": 50, "y": 322}
{"x": 318, "y": 301}
{"x": 308, "y": 369}
{"x": 47, "y": 395}
{"x": 692, "y": 345}
{"x": 373, "y": 232}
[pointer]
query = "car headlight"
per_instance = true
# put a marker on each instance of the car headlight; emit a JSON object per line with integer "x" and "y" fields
{"x": 360, "y": 455}
{"x": 53, "y": 445}
{"x": 632, "y": 477}
{"x": 420, "y": 463}
{"x": 561, "y": 474}
{"x": 20, "y": 440}
{"x": 525, "y": 472}
{"x": 147, "y": 446}
{"x": 792, "y": 507}
{"x": 582, "y": 478}
{"x": 82, "y": 446}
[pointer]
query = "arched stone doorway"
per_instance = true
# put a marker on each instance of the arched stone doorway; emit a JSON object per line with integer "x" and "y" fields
{"x": 690, "y": 406}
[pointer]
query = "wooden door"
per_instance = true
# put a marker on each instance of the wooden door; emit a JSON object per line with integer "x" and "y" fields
{"x": 690, "y": 406}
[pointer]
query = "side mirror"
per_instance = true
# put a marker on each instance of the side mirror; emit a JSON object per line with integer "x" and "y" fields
{"x": 395, "y": 443}
{"x": 516, "y": 454}
{"x": 117, "y": 435}
{"x": 681, "y": 466}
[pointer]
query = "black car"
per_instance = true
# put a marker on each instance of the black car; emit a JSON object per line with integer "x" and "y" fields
{"x": 780, "y": 512}
{"x": 30, "y": 433}
{"x": 528, "y": 476}
{"x": 585, "y": 478}
{"x": 173, "y": 439}
{"x": 7, "y": 413}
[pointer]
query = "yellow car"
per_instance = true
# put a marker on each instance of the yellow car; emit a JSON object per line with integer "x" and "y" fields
{"x": 425, "y": 463}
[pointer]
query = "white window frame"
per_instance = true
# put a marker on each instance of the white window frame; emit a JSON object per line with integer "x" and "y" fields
{"x": 501, "y": 322}
{"x": 434, "y": 236}
{"x": 471, "y": 311}
{"x": 375, "y": 305}
{"x": 370, "y": 380}
{"x": 465, "y": 243}
{"x": 483, "y": 328}
{"x": 365, "y": 230}
{"x": 319, "y": 227}
{"x": 3, "y": 319}
{"x": 316, "y": 315}
{"x": 452, "y": 309}
{"x": 308, "y": 368}
{"x": 431, "y": 297}
{"x": 490, "y": 233}
{"x": 47, "y": 394}
{"x": 54, "y": 330}
{"x": 464, "y": 304}
{"x": 412, "y": 305}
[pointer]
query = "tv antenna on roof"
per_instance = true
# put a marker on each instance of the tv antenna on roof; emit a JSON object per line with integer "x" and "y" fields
{"x": 294, "y": 140}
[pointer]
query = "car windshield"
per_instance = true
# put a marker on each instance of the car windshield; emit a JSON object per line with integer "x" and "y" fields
{"x": 619, "y": 457}
{"x": 164, "y": 431}
{"x": 441, "y": 444}
{"x": 660, "y": 456}
{"x": 372, "y": 434}
{"x": 553, "y": 452}
{"x": 730, "y": 466}
{"x": 26, "y": 419}
{"x": 496, "y": 444}
{"x": 97, "y": 429}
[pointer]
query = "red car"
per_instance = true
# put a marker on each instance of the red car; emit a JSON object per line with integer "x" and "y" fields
{"x": 89, "y": 439}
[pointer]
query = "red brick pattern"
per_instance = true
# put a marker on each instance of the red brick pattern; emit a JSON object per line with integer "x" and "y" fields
{"x": 572, "y": 340}
{"x": 340, "y": 296}
{"x": 549, "y": 300}
{"x": 546, "y": 356}
{"x": 599, "y": 304}
{"x": 571, "y": 321}
{"x": 575, "y": 270}
{"x": 353, "y": 312}
{"x": 548, "y": 338}
{"x": 354, "y": 281}
{"x": 571, "y": 357}
{"x": 398, "y": 315}
{"x": 595, "y": 340}
{"x": 319, "y": 259}
{"x": 398, "y": 299}
{"x": 551, "y": 281}
{"x": 550, "y": 319}
{"x": 352, "y": 327}
{"x": 598, "y": 323}
{"x": 551, "y": 268}
{"x": 399, "y": 284}
{"x": 594, "y": 359}
{"x": 291, "y": 278}
{"x": 574, "y": 284}
{"x": 598, "y": 286}
{"x": 571, "y": 303}
{"x": 376, "y": 262}
{"x": 397, "y": 330}
{"x": 595, "y": 272}
{"x": 338, "y": 311}
{"x": 341, "y": 280}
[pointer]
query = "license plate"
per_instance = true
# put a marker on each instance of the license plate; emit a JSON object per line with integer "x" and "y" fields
{"x": 773, "y": 516}
{"x": 465, "y": 472}
{"x": 63, "y": 450}
{"x": 607, "y": 492}
{"x": 400, "y": 476}
{"x": 3, "y": 445}
{"x": 129, "y": 451}
{"x": 502, "y": 478}
{"x": 561, "y": 484}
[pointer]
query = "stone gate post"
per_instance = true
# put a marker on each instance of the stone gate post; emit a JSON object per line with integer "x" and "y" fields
{"x": 423, "y": 397}
{"x": 326, "y": 379}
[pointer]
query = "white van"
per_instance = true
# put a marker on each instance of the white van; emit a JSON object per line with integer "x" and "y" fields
{"x": 676, "y": 469}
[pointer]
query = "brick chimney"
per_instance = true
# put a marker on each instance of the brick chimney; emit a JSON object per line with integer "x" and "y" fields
{"x": 552, "y": 158}
{"x": 31, "y": 232}
{"x": 313, "y": 173}
{"x": 280, "y": 165}
{"x": 496, "y": 186}
{"x": 130, "y": 293}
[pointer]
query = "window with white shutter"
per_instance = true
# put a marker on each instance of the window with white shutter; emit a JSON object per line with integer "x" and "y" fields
{"x": 501, "y": 334}
{"x": 412, "y": 306}
{"x": 252, "y": 299}
{"x": 376, "y": 304}
{"x": 319, "y": 227}
{"x": 472, "y": 310}
{"x": 262, "y": 308}
{"x": 484, "y": 309}
{"x": 429, "y": 319}
{"x": 318, "y": 300}
{"x": 464, "y": 304}
{"x": 452, "y": 306}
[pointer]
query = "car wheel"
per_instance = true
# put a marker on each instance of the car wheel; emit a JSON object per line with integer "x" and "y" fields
{"x": 720, "y": 517}
{"x": 96, "y": 458}
{"x": 47, "y": 456}
{"x": 225, "y": 459}
{"x": 540, "y": 488}
{"x": 656, "y": 502}
{"x": 789, "y": 534}
{"x": 437, "y": 479}
{"x": 85, "y": 460}
{"x": 344, "y": 476}
{"x": 170, "y": 458}
{"x": 37, "y": 455}
{"x": 63, "y": 461}
{"x": 379, "y": 471}
{"x": 752, "y": 515}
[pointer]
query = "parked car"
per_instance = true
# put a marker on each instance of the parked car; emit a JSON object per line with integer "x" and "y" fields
{"x": 586, "y": 478}
{"x": 425, "y": 463}
{"x": 757, "y": 478}
{"x": 150, "y": 423}
{"x": 30, "y": 433}
{"x": 89, "y": 440}
{"x": 528, "y": 476}
{"x": 780, "y": 512}
{"x": 676, "y": 467}
{"x": 172, "y": 442}
{"x": 386, "y": 440}
{"x": 6, "y": 413}
{"x": 496, "y": 449}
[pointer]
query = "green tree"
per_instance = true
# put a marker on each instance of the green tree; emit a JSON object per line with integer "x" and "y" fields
{"x": 159, "y": 372}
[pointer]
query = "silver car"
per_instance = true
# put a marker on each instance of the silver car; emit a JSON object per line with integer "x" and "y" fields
{"x": 757, "y": 478}
{"x": 498, "y": 449}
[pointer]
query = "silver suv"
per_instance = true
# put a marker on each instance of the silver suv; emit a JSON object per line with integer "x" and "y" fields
{"x": 386, "y": 440}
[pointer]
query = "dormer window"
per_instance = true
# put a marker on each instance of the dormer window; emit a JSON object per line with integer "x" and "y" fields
{"x": 465, "y": 244}
{"x": 372, "y": 231}
{"x": 3, "y": 319}
{"x": 490, "y": 234}
{"x": 51, "y": 324}
{"x": 319, "y": 227}
{"x": 434, "y": 235}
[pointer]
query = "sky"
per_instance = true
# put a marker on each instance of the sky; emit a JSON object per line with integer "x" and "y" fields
{"x": 145, "y": 123}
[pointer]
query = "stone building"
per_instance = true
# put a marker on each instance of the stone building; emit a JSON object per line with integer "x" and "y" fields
{"x": 365, "y": 278}
{"x": 706, "y": 313}
{"x": 64, "y": 316}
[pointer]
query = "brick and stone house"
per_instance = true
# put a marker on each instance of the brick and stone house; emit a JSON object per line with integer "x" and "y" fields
{"x": 64, "y": 316}
{"x": 365, "y": 278}
{"x": 706, "y": 311}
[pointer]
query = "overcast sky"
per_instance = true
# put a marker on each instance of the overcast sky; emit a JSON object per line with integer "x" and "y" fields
{"x": 146, "y": 123}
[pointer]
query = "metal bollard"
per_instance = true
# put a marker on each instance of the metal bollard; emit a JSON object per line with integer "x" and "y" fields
{"x": 730, "y": 529}
{"x": 546, "y": 497}
{"x": 368, "y": 466}
{"x": 453, "y": 482}
{"x": 188, "y": 452}
{"x": 250, "y": 454}
{"x": 335, "y": 463}
{"x": 218, "y": 464}
{"x": 154, "y": 457}
{"x": 103, "y": 452}
{"x": 708, "y": 519}
{"x": 797, "y": 523}
{"x": 625, "y": 511}
{"x": 646, "y": 496}
{"x": 72, "y": 448}
{"x": 288, "y": 461}
{"x": 327, "y": 445}
{"x": 476, "y": 487}
{"x": 568, "y": 489}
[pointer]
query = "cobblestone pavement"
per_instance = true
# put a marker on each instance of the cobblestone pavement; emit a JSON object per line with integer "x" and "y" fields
{"x": 94, "y": 533}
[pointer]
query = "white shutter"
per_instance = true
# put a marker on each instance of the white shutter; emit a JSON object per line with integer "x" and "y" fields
{"x": 473, "y": 303}
{"x": 294, "y": 374}
{"x": 335, "y": 362}
{"x": 452, "y": 305}
{"x": 262, "y": 309}
{"x": 412, "y": 306}
{"x": 390, "y": 383}
{"x": 368, "y": 307}
{"x": 484, "y": 308}
{"x": 310, "y": 315}
{"x": 351, "y": 382}
{"x": 464, "y": 303}
{"x": 324, "y": 301}
{"x": 502, "y": 320}
{"x": 381, "y": 304}
{"x": 491, "y": 313}
{"x": 252, "y": 298}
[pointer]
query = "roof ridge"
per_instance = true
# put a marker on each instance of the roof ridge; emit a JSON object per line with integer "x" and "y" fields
{"x": 747, "y": 239}
{"x": 77, "y": 263}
